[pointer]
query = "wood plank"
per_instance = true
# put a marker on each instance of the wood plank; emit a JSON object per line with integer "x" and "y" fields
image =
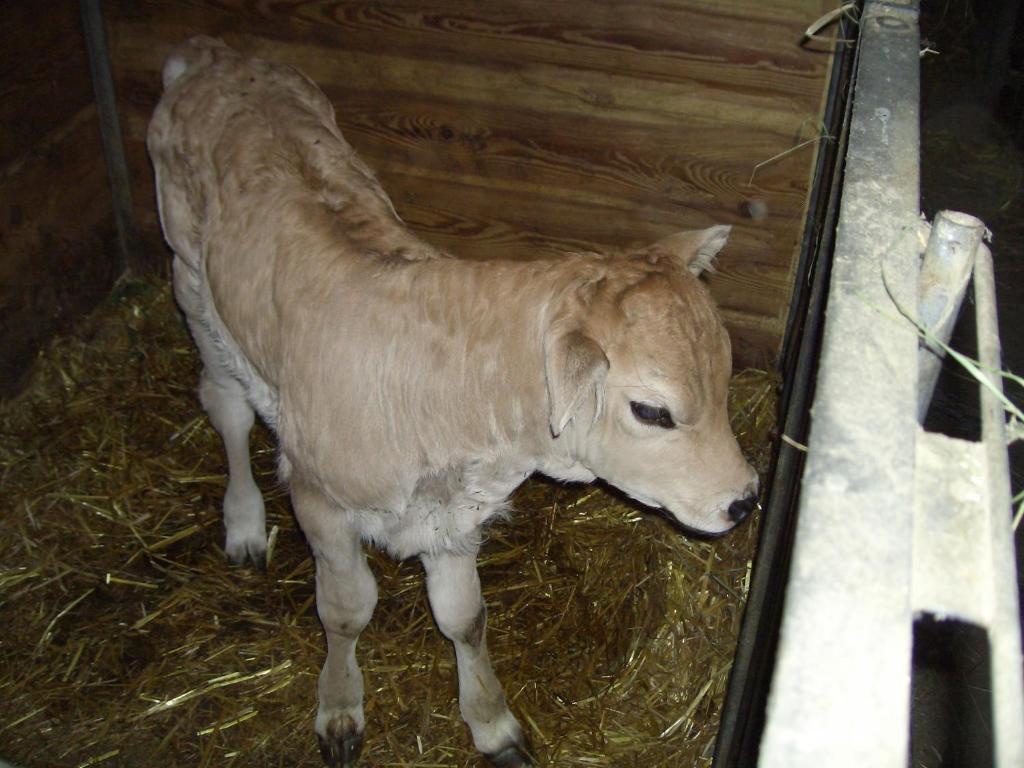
{"x": 602, "y": 162}
{"x": 488, "y": 223}
{"x": 541, "y": 214}
{"x": 653, "y": 38}
{"x": 566, "y": 92}
{"x": 584, "y": 166}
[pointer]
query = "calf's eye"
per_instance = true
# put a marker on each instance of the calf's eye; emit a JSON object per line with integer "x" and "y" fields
{"x": 652, "y": 415}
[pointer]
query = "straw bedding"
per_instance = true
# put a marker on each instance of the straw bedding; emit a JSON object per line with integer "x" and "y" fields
{"x": 127, "y": 640}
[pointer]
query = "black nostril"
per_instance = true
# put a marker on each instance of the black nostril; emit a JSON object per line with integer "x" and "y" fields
{"x": 740, "y": 508}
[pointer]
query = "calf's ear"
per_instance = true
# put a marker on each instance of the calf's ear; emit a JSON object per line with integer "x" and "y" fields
{"x": 694, "y": 250}
{"x": 575, "y": 367}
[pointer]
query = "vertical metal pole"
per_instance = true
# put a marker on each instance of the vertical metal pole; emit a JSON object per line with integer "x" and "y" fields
{"x": 110, "y": 130}
{"x": 1004, "y": 625}
{"x": 837, "y": 700}
{"x": 742, "y": 717}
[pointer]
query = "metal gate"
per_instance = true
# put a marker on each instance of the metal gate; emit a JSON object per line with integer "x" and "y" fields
{"x": 893, "y": 523}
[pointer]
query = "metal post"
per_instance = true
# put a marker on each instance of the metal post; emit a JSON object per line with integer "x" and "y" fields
{"x": 110, "y": 130}
{"x": 945, "y": 272}
{"x": 833, "y": 701}
{"x": 1004, "y": 623}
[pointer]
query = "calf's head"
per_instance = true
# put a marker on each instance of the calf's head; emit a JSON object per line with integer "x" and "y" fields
{"x": 637, "y": 366}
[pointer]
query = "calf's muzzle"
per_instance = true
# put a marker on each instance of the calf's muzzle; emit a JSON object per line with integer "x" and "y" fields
{"x": 740, "y": 508}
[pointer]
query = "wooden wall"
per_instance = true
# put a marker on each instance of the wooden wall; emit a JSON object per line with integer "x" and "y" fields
{"x": 56, "y": 228}
{"x": 517, "y": 129}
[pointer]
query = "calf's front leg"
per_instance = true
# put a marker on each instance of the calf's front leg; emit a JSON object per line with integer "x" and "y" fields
{"x": 346, "y": 595}
{"x": 453, "y": 587}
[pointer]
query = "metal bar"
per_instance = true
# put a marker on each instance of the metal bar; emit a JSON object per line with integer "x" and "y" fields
{"x": 945, "y": 272}
{"x": 837, "y": 700}
{"x": 1004, "y": 624}
{"x": 742, "y": 717}
{"x": 951, "y": 542}
{"x": 110, "y": 130}
{"x": 823, "y": 195}
{"x": 964, "y": 564}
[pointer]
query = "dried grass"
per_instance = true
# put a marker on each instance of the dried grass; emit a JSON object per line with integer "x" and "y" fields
{"x": 127, "y": 639}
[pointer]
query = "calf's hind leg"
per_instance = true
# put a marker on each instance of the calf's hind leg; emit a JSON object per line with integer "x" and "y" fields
{"x": 346, "y": 595}
{"x": 453, "y": 587}
{"x": 224, "y": 400}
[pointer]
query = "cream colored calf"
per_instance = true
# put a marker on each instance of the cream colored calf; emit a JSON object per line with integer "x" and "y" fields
{"x": 411, "y": 391}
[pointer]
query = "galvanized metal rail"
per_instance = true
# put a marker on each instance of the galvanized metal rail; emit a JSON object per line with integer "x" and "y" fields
{"x": 893, "y": 522}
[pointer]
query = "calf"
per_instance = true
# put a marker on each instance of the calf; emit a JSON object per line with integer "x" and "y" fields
{"x": 411, "y": 392}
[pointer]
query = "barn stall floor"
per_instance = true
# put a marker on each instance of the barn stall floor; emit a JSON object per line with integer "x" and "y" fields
{"x": 128, "y": 640}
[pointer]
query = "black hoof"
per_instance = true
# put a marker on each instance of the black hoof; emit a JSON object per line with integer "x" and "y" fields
{"x": 249, "y": 554}
{"x": 512, "y": 756}
{"x": 342, "y": 745}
